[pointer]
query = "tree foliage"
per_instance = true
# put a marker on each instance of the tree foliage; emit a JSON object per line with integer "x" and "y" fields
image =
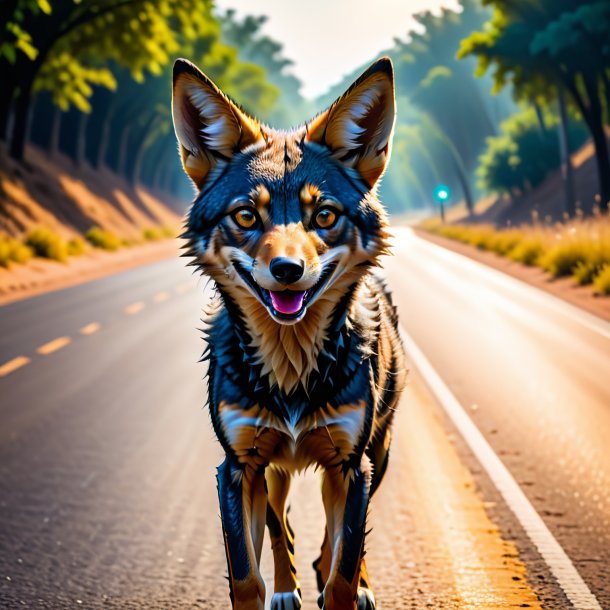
{"x": 524, "y": 153}
{"x": 99, "y": 72}
{"x": 544, "y": 47}
{"x": 445, "y": 113}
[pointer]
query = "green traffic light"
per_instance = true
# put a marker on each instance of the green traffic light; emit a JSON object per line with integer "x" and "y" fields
{"x": 442, "y": 193}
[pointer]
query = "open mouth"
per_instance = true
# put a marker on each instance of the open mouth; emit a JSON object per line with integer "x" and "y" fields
{"x": 287, "y": 302}
{"x": 287, "y": 305}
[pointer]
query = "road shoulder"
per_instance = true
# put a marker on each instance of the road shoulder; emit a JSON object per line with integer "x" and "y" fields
{"x": 564, "y": 288}
{"x": 39, "y": 276}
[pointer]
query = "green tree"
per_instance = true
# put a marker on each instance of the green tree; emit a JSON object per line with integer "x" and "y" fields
{"x": 544, "y": 47}
{"x": 521, "y": 157}
{"x": 138, "y": 34}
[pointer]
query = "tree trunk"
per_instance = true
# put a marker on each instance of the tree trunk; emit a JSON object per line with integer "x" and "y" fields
{"x": 606, "y": 84}
{"x": 53, "y": 148}
{"x": 100, "y": 158}
{"x": 134, "y": 177}
{"x": 602, "y": 155}
{"x": 592, "y": 114}
{"x": 6, "y": 98}
{"x": 141, "y": 148}
{"x": 461, "y": 175}
{"x": 122, "y": 156}
{"x": 153, "y": 168}
{"x": 30, "y": 121}
{"x": 20, "y": 126}
{"x": 5, "y": 115}
{"x": 81, "y": 139}
{"x": 463, "y": 179}
{"x": 602, "y": 159}
{"x": 21, "y": 109}
{"x": 539, "y": 116}
{"x": 567, "y": 170}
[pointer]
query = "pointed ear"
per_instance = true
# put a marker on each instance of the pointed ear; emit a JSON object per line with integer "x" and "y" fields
{"x": 210, "y": 128}
{"x": 358, "y": 126}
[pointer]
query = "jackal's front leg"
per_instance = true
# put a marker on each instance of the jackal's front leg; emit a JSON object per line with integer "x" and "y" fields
{"x": 243, "y": 503}
{"x": 346, "y": 500}
{"x": 287, "y": 592}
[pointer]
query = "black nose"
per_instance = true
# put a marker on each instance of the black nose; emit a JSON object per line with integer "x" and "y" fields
{"x": 286, "y": 270}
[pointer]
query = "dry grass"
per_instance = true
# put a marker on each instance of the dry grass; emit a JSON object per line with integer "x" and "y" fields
{"x": 152, "y": 234}
{"x": 578, "y": 248}
{"x": 77, "y": 246}
{"x": 44, "y": 242}
{"x": 47, "y": 244}
{"x": 601, "y": 282}
{"x": 106, "y": 240}
{"x": 158, "y": 233}
{"x": 13, "y": 251}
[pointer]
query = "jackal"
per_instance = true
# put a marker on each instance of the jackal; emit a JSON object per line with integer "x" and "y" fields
{"x": 305, "y": 360}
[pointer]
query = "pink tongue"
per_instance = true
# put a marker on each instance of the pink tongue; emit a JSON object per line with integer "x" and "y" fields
{"x": 287, "y": 301}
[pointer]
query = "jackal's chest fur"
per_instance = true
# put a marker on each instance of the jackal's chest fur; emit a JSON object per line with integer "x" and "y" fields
{"x": 326, "y": 437}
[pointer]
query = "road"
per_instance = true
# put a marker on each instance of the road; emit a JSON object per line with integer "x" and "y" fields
{"x": 107, "y": 457}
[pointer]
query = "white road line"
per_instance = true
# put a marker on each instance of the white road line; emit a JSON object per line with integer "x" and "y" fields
{"x": 544, "y": 298}
{"x": 559, "y": 563}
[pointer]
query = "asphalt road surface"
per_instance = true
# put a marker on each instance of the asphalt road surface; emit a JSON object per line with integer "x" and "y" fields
{"x": 107, "y": 457}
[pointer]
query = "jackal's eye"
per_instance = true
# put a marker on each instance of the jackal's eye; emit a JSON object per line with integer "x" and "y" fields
{"x": 325, "y": 218}
{"x": 245, "y": 218}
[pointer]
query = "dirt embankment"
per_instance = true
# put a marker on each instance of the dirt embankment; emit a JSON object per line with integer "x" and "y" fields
{"x": 547, "y": 201}
{"x": 70, "y": 200}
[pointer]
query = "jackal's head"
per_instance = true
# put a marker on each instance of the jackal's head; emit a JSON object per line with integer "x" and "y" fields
{"x": 285, "y": 220}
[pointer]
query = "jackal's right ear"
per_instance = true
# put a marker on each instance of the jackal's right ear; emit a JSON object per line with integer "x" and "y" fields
{"x": 358, "y": 126}
{"x": 210, "y": 128}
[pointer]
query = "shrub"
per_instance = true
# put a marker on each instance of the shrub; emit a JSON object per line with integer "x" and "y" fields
{"x": 105, "y": 240}
{"x": 601, "y": 282}
{"x": 77, "y": 246}
{"x": 152, "y": 234}
{"x": 584, "y": 272}
{"x": 13, "y": 251}
{"x": 562, "y": 259}
{"x": 580, "y": 247}
{"x": 527, "y": 251}
{"x": 19, "y": 252}
{"x": 47, "y": 244}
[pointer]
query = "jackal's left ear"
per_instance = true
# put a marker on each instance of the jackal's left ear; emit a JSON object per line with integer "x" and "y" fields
{"x": 210, "y": 128}
{"x": 358, "y": 126}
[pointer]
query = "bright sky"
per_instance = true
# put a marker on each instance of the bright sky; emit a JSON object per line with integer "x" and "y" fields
{"x": 327, "y": 39}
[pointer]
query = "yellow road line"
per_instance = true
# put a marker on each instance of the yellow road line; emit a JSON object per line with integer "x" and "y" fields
{"x": 560, "y": 565}
{"x": 53, "y": 346}
{"x": 160, "y": 297}
{"x": 482, "y": 569}
{"x": 134, "y": 308}
{"x": 13, "y": 365}
{"x": 89, "y": 329}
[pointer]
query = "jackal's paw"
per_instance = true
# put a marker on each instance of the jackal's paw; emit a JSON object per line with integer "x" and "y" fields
{"x": 286, "y": 601}
{"x": 366, "y": 599}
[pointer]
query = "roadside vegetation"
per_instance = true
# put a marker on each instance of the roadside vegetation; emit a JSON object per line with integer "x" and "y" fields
{"x": 13, "y": 251}
{"x": 579, "y": 248}
{"x": 43, "y": 242}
